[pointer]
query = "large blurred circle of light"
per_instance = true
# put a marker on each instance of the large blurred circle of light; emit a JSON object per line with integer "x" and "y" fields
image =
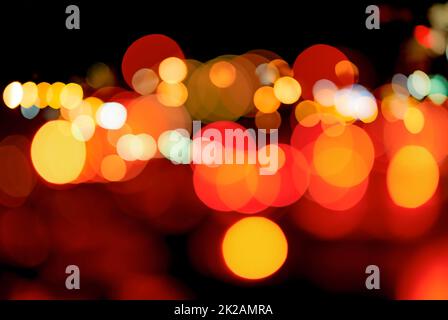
{"x": 287, "y": 90}
{"x": 71, "y": 96}
{"x": 172, "y": 95}
{"x": 254, "y": 248}
{"x": 222, "y": 74}
{"x": 412, "y": 176}
{"x": 145, "y": 81}
{"x": 54, "y": 94}
{"x": 56, "y": 155}
{"x": 29, "y": 113}
{"x": 13, "y": 94}
{"x": 175, "y": 145}
{"x": 113, "y": 168}
{"x": 83, "y": 127}
{"x": 172, "y": 70}
{"x": 30, "y": 94}
{"x": 324, "y": 91}
{"x": 210, "y": 103}
{"x": 419, "y": 84}
{"x": 265, "y": 100}
{"x": 414, "y": 120}
{"x": 267, "y": 74}
{"x": 111, "y": 115}
{"x": 344, "y": 160}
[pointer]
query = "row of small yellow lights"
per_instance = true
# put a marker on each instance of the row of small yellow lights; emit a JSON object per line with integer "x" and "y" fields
{"x": 83, "y": 115}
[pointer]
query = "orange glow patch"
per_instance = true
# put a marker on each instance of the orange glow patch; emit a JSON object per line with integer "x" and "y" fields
{"x": 222, "y": 74}
{"x": 412, "y": 176}
{"x": 265, "y": 100}
{"x": 113, "y": 168}
{"x": 344, "y": 160}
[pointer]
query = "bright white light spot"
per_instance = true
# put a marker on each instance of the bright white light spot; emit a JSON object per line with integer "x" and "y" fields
{"x": 13, "y": 94}
{"x": 419, "y": 84}
{"x": 356, "y": 102}
{"x": 111, "y": 115}
{"x": 324, "y": 91}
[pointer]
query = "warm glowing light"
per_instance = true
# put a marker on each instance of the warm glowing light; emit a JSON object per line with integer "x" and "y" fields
{"x": 172, "y": 95}
{"x": 346, "y": 71}
{"x": 111, "y": 115}
{"x": 344, "y": 160}
{"x": 419, "y": 84}
{"x": 324, "y": 91}
{"x": 83, "y": 127}
{"x": 265, "y": 100}
{"x": 71, "y": 96}
{"x": 307, "y": 113}
{"x": 412, "y": 176}
{"x": 414, "y": 120}
{"x": 53, "y": 95}
{"x": 42, "y": 90}
{"x": 356, "y": 102}
{"x": 145, "y": 81}
{"x": 113, "y": 168}
{"x": 136, "y": 147}
{"x": 56, "y": 155}
{"x": 254, "y": 248}
{"x": 287, "y": 90}
{"x": 222, "y": 74}
{"x": 172, "y": 70}
{"x": 30, "y": 94}
{"x": 267, "y": 73}
{"x": 149, "y": 147}
{"x": 13, "y": 94}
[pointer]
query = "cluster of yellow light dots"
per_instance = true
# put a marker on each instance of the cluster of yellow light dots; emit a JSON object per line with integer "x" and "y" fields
{"x": 170, "y": 91}
{"x": 254, "y": 247}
